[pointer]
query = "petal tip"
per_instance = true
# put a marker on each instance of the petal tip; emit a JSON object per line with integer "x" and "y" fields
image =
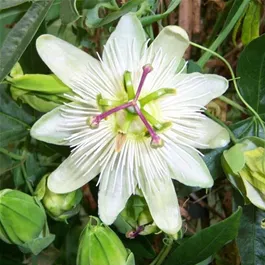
{"x": 57, "y": 186}
{"x": 222, "y": 139}
{"x": 43, "y": 38}
{"x": 180, "y": 32}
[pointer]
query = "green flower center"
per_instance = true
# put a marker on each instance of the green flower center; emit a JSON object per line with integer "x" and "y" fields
{"x": 133, "y": 116}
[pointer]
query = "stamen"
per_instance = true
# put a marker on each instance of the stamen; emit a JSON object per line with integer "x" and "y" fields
{"x": 93, "y": 122}
{"x": 157, "y": 94}
{"x": 129, "y": 85}
{"x": 146, "y": 70}
{"x": 156, "y": 140}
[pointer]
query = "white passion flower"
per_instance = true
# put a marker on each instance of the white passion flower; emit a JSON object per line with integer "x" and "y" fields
{"x": 134, "y": 119}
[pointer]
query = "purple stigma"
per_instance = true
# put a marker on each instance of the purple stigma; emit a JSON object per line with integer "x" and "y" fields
{"x": 156, "y": 140}
{"x": 94, "y": 121}
{"x": 146, "y": 70}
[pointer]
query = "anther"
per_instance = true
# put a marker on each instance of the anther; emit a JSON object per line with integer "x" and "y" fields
{"x": 92, "y": 122}
{"x": 156, "y": 142}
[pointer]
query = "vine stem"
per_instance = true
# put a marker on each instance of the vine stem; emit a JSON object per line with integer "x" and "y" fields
{"x": 162, "y": 254}
{"x": 234, "y": 81}
{"x": 10, "y": 154}
{"x": 25, "y": 175}
{"x": 233, "y": 104}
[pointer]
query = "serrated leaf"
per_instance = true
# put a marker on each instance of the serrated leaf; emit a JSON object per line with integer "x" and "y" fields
{"x": 20, "y": 36}
{"x": 206, "y": 242}
{"x": 251, "y": 69}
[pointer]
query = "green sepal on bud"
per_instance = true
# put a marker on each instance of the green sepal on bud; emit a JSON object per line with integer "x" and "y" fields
{"x": 99, "y": 245}
{"x": 41, "y": 92}
{"x": 60, "y": 207}
{"x": 244, "y": 165}
{"x": 23, "y": 221}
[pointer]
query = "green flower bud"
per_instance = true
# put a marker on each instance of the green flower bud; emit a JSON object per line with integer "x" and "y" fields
{"x": 41, "y": 92}
{"x": 136, "y": 219}
{"x": 22, "y": 219}
{"x": 146, "y": 221}
{"x": 59, "y": 206}
{"x": 99, "y": 245}
{"x": 244, "y": 165}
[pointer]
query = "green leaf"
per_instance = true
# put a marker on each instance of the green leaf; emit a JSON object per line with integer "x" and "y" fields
{"x": 251, "y": 69}
{"x": 68, "y": 13}
{"x": 30, "y": 60}
{"x": 11, "y": 129}
{"x": 18, "y": 39}
{"x": 11, "y": 108}
{"x": 234, "y": 15}
{"x": 251, "y": 236}
{"x": 251, "y": 24}
{"x": 54, "y": 11}
{"x": 93, "y": 21}
{"x": 212, "y": 159}
{"x": 193, "y": 67}
{"x": 206, "y": 242}
{"x": 247, "y": 127}
{"x": 8, "y": 18}
{"x": 153, "y": 18}
{"x": 6, "y": 163}
{"x": 10, "y": 3}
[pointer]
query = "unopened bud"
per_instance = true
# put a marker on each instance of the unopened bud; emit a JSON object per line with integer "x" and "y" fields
{"x": 100, "y": 245}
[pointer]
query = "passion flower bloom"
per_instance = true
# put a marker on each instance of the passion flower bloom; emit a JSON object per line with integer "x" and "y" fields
{"x": 134, "y": 119}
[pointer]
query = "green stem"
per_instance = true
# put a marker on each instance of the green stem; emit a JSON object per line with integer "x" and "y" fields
{"x": 163, "y": 254}
{"x": 10, "y": 154}
{"x": 25, "y": 175}
{"x": 231, "y": 134}
{"x": 233, "y": 104}
{"x": 222, "y": 36}
{"x": 234, "y": 81}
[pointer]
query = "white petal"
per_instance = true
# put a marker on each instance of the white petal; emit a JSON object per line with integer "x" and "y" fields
{"x": 75, "y": 68}
{"x": 212, "y": 134}
{"x": 123, "y": 48}
{"x": 116, "y": 186}
{"x": 255, "y": 196}
{"x": 186, "y": 165}
{"x": 47, "y": 128}
{"x": 162, "y": 201}
{"x": 172, "y": 41}
{"x": 68, "y": 177}
{"x": 195, "y": 89}
{"x": 84, "y": 162}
